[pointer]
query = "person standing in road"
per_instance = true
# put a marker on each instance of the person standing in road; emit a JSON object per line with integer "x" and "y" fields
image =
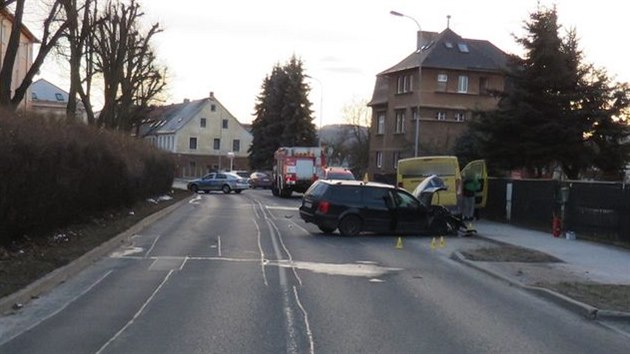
{"x": 471, "y": 187}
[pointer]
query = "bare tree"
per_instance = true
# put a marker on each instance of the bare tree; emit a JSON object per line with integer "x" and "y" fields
{"x": 53, "y": 27}
{"x": 81, "y": 16}
{"x": 357, "y": 115}
{"x": 124, "y": 57}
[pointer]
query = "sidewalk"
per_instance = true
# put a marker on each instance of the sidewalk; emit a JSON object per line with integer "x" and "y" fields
{"x": 597, "y": 262}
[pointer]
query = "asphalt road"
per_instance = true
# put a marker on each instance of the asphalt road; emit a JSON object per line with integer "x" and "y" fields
{"x": 244, "y": 274}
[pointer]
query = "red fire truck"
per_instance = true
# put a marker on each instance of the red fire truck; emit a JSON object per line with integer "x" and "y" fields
{"x": 295, "y": 169}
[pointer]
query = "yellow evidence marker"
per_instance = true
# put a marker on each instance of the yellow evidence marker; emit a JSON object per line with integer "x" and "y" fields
{"x": 399, "y": 244}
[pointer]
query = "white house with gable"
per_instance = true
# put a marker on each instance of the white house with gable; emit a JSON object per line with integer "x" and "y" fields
{"x": 202, "y": 134}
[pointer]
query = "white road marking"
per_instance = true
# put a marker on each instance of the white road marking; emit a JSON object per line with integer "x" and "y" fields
{"x": 111, "y": 340}
{"x": 375, "y": 280}
{"x": 60, "y": 308}
{"x": 153, "y": 245}
{"x": 183, "y": 263}
{"x": 219, "y": 244}
{"x": 309, "y": 333}
{"x": 126, "y": 252}
{"x": 195, "y": 200}
{"x": 286, "y": 250}
{"x": 262, "y": 254}
{"x": 276, "y": 207}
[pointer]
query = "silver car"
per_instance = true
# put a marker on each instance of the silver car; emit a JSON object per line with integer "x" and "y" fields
{"x": 219, "y": 181}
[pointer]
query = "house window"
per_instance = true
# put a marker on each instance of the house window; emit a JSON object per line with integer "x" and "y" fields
{"x": 440, "y": 115}
{"x": 236, "y": 145}
{"x": 379, "y": 159}
{"x": 380, "y": 127}
{"x": 202, "y": 122}
{"x": 395, "y": 158}
{"x": 213, "y": 107}
{"x": 462, "y": 84}
{"x": 33, "y": 95}
{"x": 216, "y": 144}
{"x": 59, "y": 97}
{"x": 442, "y": 80}
{"x": 225, "y": 124}
{"x": 463, "y": 47}
{"x": 400, "y": 121}
{"x": 192, "y": 144}
{"x": 483, "y": 86}
{"x": 460, "y": 116}
{"x": 404, "y": 84}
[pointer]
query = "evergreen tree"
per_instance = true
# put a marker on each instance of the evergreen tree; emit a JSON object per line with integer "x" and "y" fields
{"x": 552, "y": 107}
{"x": 283, "y": 114}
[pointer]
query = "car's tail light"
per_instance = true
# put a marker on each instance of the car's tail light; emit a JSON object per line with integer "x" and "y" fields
{"x": 323, "y": 207}
{"x": 458, "y": 186}
{"x": 290, "y": 179}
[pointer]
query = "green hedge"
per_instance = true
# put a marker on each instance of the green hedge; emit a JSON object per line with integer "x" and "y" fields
{"x": 54, "y": 173}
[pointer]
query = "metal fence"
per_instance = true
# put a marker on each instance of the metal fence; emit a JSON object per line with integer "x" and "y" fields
{"x": 593, "y": 209}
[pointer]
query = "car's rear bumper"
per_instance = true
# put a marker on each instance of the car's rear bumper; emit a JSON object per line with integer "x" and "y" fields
{"x": 327, "y": 221}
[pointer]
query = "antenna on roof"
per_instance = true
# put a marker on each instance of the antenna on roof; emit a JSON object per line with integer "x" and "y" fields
{"x": 448, "y": 21}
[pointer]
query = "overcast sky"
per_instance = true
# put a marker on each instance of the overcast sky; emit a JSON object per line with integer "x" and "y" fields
{"x": 228, "y": 47}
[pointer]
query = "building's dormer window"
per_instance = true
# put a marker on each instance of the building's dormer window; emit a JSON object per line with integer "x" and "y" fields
{"x": 463, "y": 47}
{"x": 448, "y": 45}
{"x": 59, "y": 96}
{"x": 427, "y": 46}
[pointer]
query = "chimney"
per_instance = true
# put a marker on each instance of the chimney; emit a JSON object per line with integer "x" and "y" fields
{"x": 211, "y": 95}
{"x": 186, "y": 100}
{"x": 420, "y": 41}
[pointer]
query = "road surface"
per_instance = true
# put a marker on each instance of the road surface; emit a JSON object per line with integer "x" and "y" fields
{"x": 244, "y": 274}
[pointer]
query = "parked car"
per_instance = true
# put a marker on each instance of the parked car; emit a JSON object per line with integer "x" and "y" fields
{"x": 219, "y": 181}
{"x": 260, "y": 180}
{"x": 341, "y": 173}
{"x": 356, "y": 206}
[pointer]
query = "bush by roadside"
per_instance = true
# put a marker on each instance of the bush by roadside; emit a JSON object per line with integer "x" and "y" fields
{"x": 56, "y": 173}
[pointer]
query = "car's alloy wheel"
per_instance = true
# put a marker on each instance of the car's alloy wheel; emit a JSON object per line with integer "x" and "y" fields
{"x": 350, "y": 225}
{"x": 226, "y": 189}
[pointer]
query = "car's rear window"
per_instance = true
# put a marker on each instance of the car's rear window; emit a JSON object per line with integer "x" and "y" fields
{"x": 345, "y": 194}
{"x": 340, "y": 175}
{"x": 317, "y": 189}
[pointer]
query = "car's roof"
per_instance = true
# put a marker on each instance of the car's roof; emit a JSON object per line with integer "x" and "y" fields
{"x": 339, "y": 182}
{"x": 337, "y": 169}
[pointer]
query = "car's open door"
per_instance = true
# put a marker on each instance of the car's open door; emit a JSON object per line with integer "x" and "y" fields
{"x": 478, "y": 168}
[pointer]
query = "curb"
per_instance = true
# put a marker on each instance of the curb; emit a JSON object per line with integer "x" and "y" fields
{"x": 60, "y": 275}
{"x": 585, "y": 310}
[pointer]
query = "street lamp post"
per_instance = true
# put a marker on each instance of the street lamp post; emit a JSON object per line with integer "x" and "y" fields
{"x": 231, "y": 157}
{"x": 321, "y": 104}
{"x": 417, "y": 132}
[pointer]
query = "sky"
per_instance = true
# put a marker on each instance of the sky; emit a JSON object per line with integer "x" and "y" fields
{"x": 229, "y": 47}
